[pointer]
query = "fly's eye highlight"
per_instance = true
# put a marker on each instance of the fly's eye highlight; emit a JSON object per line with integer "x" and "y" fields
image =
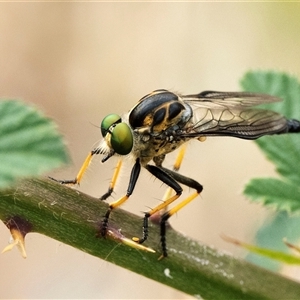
{"x": 108, "y": 121}
{"x": 121, "y": 139}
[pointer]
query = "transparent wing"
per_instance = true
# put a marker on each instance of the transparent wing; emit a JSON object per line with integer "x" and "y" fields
{"x": 230, "y": 99}
{"x": 232, "y": 114}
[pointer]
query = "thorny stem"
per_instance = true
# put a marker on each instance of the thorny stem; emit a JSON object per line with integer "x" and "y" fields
{"x": 73, "y": 218}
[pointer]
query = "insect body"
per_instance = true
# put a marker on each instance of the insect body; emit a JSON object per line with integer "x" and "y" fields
{"x": 162, "y": 121}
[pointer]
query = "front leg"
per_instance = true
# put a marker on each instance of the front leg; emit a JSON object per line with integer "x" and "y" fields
{"x": 83, "y": 169}
{"x": 81, "y": 172}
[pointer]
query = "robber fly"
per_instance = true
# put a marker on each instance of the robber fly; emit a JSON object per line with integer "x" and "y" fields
{"x": 161, "y": 122}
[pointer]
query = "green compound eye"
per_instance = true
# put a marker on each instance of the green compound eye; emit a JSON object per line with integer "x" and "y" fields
{"x": 108, "y": 121}
{"x": 121, "y": 139}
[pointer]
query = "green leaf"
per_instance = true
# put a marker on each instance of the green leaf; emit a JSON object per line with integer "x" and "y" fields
{"x": 266, "y": 190}
{"x": 29, "y": 143}
{"x": 277, "y": 84}
{"x": 282, "y": 150}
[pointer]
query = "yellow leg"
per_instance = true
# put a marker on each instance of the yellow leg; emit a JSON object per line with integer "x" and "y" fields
{"x": 167, "y": 202}
{"x": 113, "y": 181}
{"x": 119, "y": 202}
{"x": 83, "y": 168}
{"x": 179, "y": 158}
{"x": 168, "y": 194}
{"x": 116, "y": 174}
{"x": 163, "y": 205}
{"x": 80, "y": 173}
{"x": 182, "y": 204}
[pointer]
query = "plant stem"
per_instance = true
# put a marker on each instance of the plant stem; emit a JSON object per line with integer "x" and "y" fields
{"x": 73, "y": 218}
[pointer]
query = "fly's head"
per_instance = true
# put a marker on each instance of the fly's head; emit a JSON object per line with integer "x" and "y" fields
{"x": 117, "y": 137}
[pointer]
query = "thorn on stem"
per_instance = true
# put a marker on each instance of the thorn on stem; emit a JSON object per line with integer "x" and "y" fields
{"x": 18, "y": 228}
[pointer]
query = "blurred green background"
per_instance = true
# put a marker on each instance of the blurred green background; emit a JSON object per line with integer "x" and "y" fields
{"x": 80, "y": 61}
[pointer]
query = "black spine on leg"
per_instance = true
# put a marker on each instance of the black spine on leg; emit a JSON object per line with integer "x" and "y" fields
{"x": 145, "y": 229}
{"x": 104, "y": 223}
{"x": 163, "y": 241}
